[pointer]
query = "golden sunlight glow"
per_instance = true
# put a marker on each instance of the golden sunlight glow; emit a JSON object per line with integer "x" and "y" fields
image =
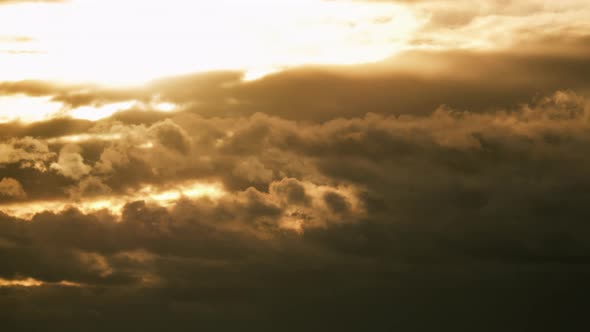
{"x": 28, "y": 109}
{"x": 189, "y": 190}
{"x": 114, "y": 204}
{"x": 96, "y": 113}
{"x": 123, "y": 42}
{"x": 84, "y": 138}
{"x": 30, "y": 282}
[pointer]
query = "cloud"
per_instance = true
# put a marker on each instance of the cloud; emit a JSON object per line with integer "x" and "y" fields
{"x": 252, "y": 170}
{"x": 171, "y": 136}
{"x": 71, "y": 163}
{"x": 487, "y": 201}
{"x": 441, "y": 14}
{"x": 350, "y": 196}
{"x": 292, "y": 191}
{"x": 453, "y": 160}
{"x": 11, "y": 188}
{"x": 26, "y": 152}
{"x": 463, "y": 79}
{"x": 88, "y": 187}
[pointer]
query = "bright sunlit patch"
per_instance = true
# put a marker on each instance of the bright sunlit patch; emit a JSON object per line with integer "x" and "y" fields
{"x": 253, "y": 74}
{"x": 30, "y": 282}
{"x": 98, "y": 112}
{"x": 122, "y": 42}
{"x": 85, "y": 138}
{"x": 146, "y": 146}
{"x": 165, "y": 107}
{"x": 114, "y": 204}
{"x": 27, "y": 109}
{"x": 293, "y": 224}
{"x": 94, "y": 113}
{"x": 190, "y": 190}
{"x": 69, "y": 284}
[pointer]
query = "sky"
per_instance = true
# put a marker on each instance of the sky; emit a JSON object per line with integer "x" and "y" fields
{"x": 321, "y": 165}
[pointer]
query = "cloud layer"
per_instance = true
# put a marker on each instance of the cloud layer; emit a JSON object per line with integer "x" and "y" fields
{"x": 445, "y": 187}
{"x": 316, "y": 219}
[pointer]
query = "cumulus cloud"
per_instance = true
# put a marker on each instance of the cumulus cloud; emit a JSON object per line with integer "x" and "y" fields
{"x": 26, "y": 152}
{"x": 71, "y": 163}
{"x": 352, "y": 205}
{"x": 88, "y": 187}
{"x": 253, "y": 170}
{"x": 11, "y": 188}
{"x": 171, "y": 136}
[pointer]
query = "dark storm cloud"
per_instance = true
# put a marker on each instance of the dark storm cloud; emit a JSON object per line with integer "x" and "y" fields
{"x": 100, "y": 249}
{"x": 462, "y": 211}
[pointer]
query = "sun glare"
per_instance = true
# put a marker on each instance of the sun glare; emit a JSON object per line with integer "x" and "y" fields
{"x": 26, "y": 109}
{"x": 144, "y": 40}
{"x": 96, "y": 113}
